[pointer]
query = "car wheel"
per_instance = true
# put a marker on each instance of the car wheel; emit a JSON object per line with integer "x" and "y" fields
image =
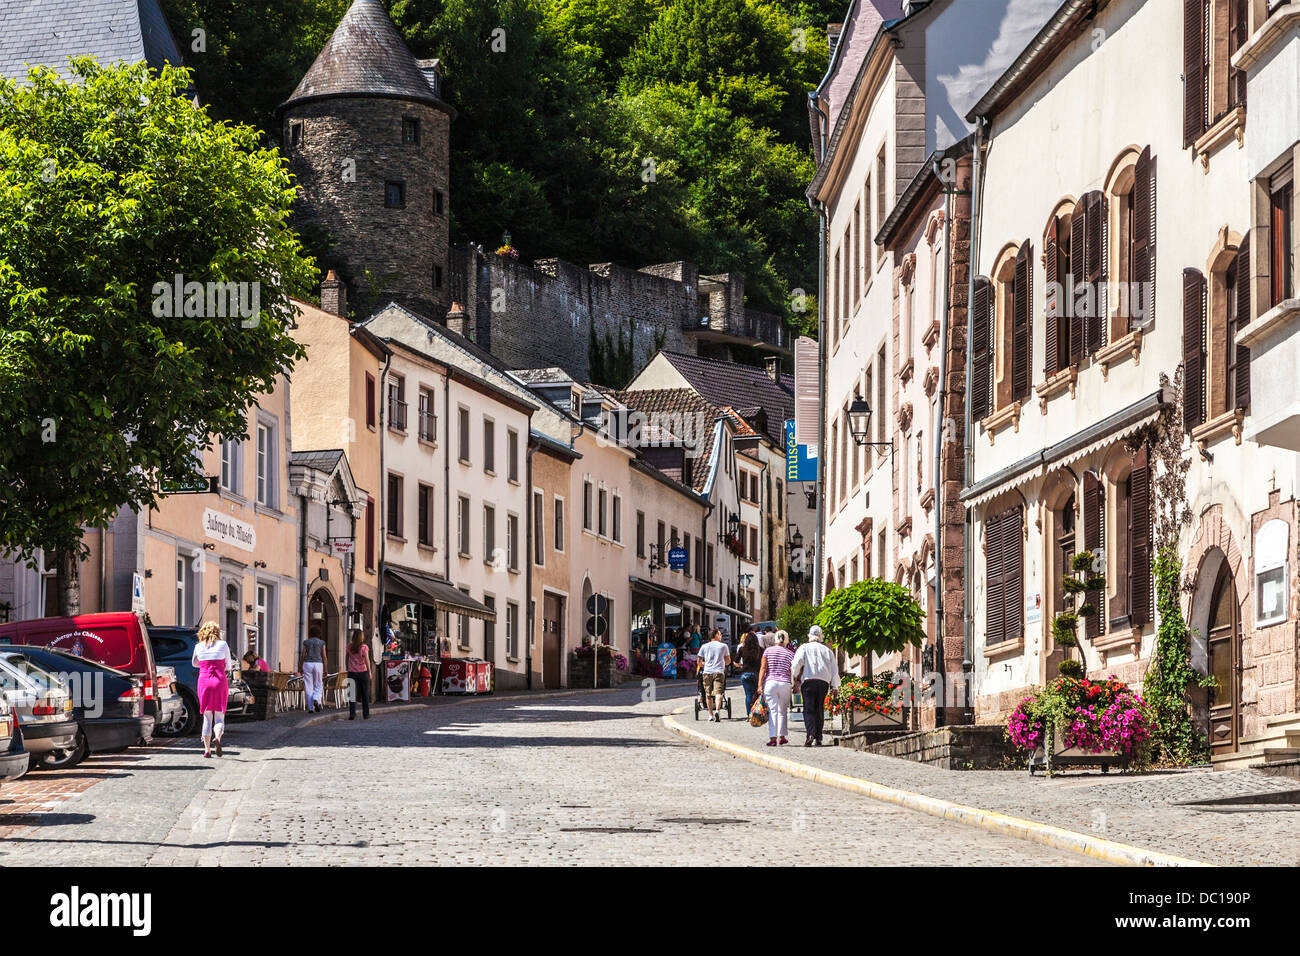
{"x": 63, "y": 759}
{"x": 186, "y": 723}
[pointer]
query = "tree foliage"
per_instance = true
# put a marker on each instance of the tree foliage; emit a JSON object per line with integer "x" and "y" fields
{"x": 796, "y": 618}
{"x": 109, "y": 184}
{"x": 872, "y": 616}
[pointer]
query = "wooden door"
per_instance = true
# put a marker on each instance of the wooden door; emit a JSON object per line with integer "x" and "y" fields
{"x": 552, "y": 639}
{"x": 1225, "y": 666}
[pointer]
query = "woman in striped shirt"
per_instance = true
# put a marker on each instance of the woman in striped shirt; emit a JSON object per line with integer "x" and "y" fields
{"x": 774, "y": 678}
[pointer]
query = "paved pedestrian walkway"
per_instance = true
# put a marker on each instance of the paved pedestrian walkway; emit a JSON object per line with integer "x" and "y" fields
{"x": 587, "y": 778}
{"x": 1147, "y": 810}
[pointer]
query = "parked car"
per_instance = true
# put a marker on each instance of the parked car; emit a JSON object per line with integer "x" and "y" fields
{"x": 108, "y": 703}
{"x": 115, "y": 638}
{"x": 43, "y": 706}
{"x": 174, "y": 647}
{"x": 14, "y": 758}
{"x": 171, "y": 706}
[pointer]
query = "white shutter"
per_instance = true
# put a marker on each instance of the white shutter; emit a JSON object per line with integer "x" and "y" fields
{"x": 807, "y": 360}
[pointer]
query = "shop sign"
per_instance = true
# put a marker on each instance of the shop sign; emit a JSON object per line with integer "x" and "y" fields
{"x": 224, "y": 528}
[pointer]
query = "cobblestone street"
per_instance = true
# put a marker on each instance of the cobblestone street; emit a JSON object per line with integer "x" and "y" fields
{"x": 590, "y": 778}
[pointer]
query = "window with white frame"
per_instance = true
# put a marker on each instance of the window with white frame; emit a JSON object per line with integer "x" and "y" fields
{"x": 489, "y": 532}
{"x": 587, "y": 506}
{"x": 602, "y": 526}
{"x": 266, "y": 465}
{"x": 1271, "y": 573}
{"x": 539, "y": 529}
{"x": 616, "y": 519}
{"x": 264, "y": 618}
{"x": 489, "y": 446}
{"x": 559, "y": 523}
{"x": 462, "y": 526}
{"x": 512, "y": 629}
{"x": 232, "y": 457}
{"x": 512, "y": 455}
{"x": 512, "y": 542}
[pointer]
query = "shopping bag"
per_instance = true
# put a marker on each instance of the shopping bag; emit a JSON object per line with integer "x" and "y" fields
{"x": 758, "y": 713}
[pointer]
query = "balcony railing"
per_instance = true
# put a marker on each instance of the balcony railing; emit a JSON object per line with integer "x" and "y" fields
{"x": 397, "y": 414}
{"x": 761, "y": 327}
{"x": 428, "y": 426}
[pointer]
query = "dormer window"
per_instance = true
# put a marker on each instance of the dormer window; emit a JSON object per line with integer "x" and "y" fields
{"x": 410, "y": 131}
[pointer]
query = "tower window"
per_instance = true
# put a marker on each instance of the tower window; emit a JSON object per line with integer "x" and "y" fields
{"x": 394, "y": 195}
{"x": 295, "y": 135}
{"x": 437, "y": 277}
{"x": 410, "y": 131}
{"x": 437, "y": 202}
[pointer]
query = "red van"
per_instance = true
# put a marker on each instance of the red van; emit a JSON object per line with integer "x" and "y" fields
{"x": 115, "y": 638}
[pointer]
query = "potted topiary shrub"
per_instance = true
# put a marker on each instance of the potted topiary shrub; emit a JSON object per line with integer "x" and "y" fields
{"x": 871, "y": 617}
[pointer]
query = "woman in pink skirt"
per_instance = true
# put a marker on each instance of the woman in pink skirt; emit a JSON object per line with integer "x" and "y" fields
{"x": 212, "y": 658}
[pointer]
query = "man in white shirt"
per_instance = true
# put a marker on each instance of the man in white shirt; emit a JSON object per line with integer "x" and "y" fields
{"x": 815, "y": 673}
{"x": 714, "y": 658}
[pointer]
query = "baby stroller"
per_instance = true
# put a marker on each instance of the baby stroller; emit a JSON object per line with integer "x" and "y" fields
{"x": 701, "y": 703}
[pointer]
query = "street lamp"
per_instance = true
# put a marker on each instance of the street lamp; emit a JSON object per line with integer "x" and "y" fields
{"x": 860, "y": 424}
{"x": 796, "y": 539}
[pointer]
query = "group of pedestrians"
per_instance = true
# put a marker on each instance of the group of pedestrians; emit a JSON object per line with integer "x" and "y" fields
{"x": 769, "y": 666}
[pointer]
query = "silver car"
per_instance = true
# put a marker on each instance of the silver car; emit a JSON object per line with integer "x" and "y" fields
{"x": 41, "y": 703}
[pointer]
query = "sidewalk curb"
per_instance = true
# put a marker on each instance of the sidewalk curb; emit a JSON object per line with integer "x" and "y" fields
{"x": 377, "y": 709}
{"x": 1094, "y": 847}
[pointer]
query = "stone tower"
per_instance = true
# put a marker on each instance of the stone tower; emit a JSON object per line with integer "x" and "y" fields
{"x": 367, "y": 133}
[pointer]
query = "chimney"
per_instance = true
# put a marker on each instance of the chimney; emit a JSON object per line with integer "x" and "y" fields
{"x": 458, "y": 321}
{"x": 334, "y": 295}
{"x": 773, "y": 365}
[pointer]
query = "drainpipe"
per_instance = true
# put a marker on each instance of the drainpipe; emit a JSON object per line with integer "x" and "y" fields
{"x": 820, "y": 482}
{"x": 528, "y": 565}
{"x": 381, "y": 519}
{"x": 302, "y": 576}
{"x": 937, "y": 431}
{"x": 968, "y": 621}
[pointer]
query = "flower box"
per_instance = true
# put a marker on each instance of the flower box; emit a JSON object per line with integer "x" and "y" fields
{"x": 860, "y": 719}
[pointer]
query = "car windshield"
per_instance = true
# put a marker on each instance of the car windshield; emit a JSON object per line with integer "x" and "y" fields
{"x": 14, "y": 681}
{"x": 37, "y": 675}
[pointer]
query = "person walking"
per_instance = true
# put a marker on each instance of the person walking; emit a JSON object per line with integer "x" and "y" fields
{"x": 715, "y": 656}
{"x": 774, "y": 677}
{"x": 212, "y": 658}
{"x": 815, "y": 671}
{"x": 358, "y": 664}
{"x": 314, "y": 658}
{"x": 750, "y": 653}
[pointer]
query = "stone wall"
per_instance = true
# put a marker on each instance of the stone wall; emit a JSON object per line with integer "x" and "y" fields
{"x": 544, "y": 314}
{"x": 351, "y": 147}
{"x": 952, "y": 748}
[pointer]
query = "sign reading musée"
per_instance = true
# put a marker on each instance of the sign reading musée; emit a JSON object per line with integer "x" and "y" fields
{"x": 222, "y": 527}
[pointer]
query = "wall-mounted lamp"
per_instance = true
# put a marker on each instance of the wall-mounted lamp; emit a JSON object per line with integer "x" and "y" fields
{"x": 148, "y": 572}
{"x": 860, "y": 425}
{"x": 209, "y": 546}
{"x": 248, "y": 609}
{"x": 212, "y": 599}
{"x": 259, "y": 564}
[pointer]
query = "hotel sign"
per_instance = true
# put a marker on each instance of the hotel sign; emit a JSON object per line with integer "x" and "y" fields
{"x": 222, "y": 527}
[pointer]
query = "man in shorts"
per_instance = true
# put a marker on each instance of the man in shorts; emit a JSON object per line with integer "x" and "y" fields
{"x": 714, "y": 658}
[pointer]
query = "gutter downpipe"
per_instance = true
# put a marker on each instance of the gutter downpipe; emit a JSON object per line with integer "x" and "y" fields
{"x": 528, "y": 563}
{"x": 977, "y": 196}
{"x": 937, "y": 431}
{"x": 820, "y": 482}
{"x": 381, "y": 519}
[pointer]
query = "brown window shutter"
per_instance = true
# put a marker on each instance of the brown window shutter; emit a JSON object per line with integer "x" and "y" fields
{"x": 993, "y": 580}
{"x": 1139, "y": 539}
{"x": 1013, "y": 601}
{"x": 1193, "y": 70}
{"x": 1095, "y": 319}
{"x": 1020, "y": 340}
{"x": 1240, "y": 34}
{"x": 1052, "y": 310}
{"x": 981, "y": 356}
{"x": 1140, "y": 300}
{"x": 1078, "y": 280}
{"x": 1193, "y": 349}
{"x": 1093, "y": 540}
{"x": 1242, "y": 317}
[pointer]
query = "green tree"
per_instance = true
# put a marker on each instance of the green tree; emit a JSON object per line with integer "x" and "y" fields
{"x": 110, "y": 184}
{"x": 796, "y": 618}
{"x": 871, "y": 617}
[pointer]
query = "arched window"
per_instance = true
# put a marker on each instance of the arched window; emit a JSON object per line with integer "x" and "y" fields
{"x": 1130, "y": 243}
{"x": 1058, "y": 299}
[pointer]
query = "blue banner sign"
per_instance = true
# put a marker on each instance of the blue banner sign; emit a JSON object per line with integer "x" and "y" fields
{"x": 798, "y": 465}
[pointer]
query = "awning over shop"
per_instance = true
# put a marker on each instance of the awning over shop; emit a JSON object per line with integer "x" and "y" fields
{"x": 662, "y": 591}
{"x": 1096, "y": 436}
{"x": 440, "y": 594}
{"x": 714, "y": 605}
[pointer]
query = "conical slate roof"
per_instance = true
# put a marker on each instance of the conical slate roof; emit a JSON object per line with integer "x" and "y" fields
{"x": 366, "y": 56}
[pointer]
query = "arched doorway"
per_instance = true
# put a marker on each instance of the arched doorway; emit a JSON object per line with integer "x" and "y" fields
{"x": 323, "y": 622}
{"x": 1223, "y": 639}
